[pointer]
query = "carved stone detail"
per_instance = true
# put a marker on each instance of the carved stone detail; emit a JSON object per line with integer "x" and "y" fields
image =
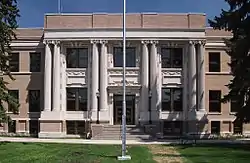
{"x": 77, "y": 72}
{"x": 171, "y": 73}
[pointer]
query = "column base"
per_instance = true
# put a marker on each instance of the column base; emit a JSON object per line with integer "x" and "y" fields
{"x": 155, "y": 115}
{"x": 52, "y": 115}
{"x": 200, "y": 115}
{"x": 144, "y": 117}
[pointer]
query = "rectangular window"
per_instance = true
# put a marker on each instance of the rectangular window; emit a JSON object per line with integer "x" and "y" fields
{"x": 15, "y": 95}
{"x": 34, "y": 101}
{"x": 237, "y": 127}
{"x": 215, "y": 127}
{"x": 172, "y": 128}
{"x": 12, "y": 126}
{"x": 214, "y": 62}
{"x": 14, "y": 62}
{"x": 35, "y": 62}
{"x": 130, "y": 57}
{"x": 77, "y": 99}
{"x": 171, "y": 57}
{"x": 77, "y": 58}
{"x": 172, "y": 99}
{"x": 215, "y": 101}
{"x": 34, "y": 127}
{"x": 75, "y": 127}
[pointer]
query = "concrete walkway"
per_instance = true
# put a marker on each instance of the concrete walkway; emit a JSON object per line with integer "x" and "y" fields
{"x": 116, "y": 142}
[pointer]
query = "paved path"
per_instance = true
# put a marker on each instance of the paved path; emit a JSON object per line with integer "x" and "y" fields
{"x": 83, "y": 141}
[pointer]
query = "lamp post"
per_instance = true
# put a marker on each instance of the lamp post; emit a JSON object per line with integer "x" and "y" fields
{"x": 124, "y": 156}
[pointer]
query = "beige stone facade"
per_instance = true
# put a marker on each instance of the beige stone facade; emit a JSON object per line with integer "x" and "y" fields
{"x": 96, "y": 81}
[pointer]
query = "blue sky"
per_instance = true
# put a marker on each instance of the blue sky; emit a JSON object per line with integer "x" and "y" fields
{"x": 32, "y": 11}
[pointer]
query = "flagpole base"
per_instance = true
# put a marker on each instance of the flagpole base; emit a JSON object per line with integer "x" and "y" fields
{"x": 124, "y": 158}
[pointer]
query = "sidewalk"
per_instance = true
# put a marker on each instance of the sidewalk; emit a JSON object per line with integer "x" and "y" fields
{"x": 116, "y": 142}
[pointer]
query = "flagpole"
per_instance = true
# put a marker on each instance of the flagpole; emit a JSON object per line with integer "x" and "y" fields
{"x": 124, "y": 156}
{"x": 59, "y": 6}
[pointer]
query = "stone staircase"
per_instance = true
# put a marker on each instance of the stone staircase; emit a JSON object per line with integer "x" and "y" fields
{"x": 113, "y": 132}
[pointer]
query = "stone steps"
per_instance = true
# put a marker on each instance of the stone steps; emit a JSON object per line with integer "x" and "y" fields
{"x": 113, "y": 132}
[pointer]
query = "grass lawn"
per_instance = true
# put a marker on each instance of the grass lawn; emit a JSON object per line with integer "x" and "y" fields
{"x": 219, "y": 153}
{"x": 69, "y": 153}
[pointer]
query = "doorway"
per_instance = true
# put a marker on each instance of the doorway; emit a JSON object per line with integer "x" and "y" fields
{"x": 130, "y": 109}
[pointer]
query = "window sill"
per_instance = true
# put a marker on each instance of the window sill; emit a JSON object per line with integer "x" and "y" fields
{"x": 24, "y": 73}
{"x": 232, "y": 113}
{"x": 214, "y": 113}
{"x": 218, "y": 73}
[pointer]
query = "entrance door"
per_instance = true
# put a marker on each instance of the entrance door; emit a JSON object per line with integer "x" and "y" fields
{"x": 130, "y": 109}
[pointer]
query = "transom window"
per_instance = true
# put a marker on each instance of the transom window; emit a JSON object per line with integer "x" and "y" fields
{"x": 215, "y": 101}
{"x": 214, "y": 62}
{"x": 34, "y": 100}
{"x": 172, "y": 99}
{"x": 77, "y": 58}
{"x": 130, "y": 57}
{"x": 14, "y": 62}
{"x": 171, "y": 57}
{"x": 35, "y": 62}
{"x": 77, "y": 99}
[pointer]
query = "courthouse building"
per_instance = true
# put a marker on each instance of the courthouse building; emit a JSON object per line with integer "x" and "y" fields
{"x": 69, "y": 76}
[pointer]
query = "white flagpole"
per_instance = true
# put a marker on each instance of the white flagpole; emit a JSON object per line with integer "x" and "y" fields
{"x": 59, "y": 6}
{"x": 124, "y": 156}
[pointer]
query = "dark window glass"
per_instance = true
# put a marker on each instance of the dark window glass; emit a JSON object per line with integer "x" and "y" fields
{"x": 215, "y": 127}
{"x": 171, "y": 57}
{"x": 77, "y": 58}
{"x": 76, "y": 127}
{"x": 172, "y": 99}
{"x": 130, "y": 57}
{"x": 14, "y": 62}
{"x": 34, "y": 101}
{"x": 12, "y": 126}
{"x": 77, "y": 99}
{"x": 237, "y": 127}
{"x": 214, "y": 101}
{"x": 35, "y": 62}
{"x": 15, "y": 95}
{"x": 214, "y": 62}
{"x": 34, "y": 127}
{"x": 172, "y": 128}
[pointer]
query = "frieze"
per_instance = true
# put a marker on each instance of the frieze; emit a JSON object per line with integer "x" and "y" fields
{"x": 120, "y": 72}
{"x": 171, "y": 73}
{"x": 76, "y": 72}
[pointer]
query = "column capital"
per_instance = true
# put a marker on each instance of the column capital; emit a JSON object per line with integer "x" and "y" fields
{"x": 103, "y": 42}
{"x": 47, "y": 42}
{"x": 193, "y": 42}
{"x": 145, "y": 42}
{"x": 57, "y": 42}
{"x": 202, "y": 42}
{"x": 155, "y": 42}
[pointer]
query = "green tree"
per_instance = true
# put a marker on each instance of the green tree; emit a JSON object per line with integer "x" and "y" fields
{"x": 8, "y": 14}
{"x": 237, "y": 20}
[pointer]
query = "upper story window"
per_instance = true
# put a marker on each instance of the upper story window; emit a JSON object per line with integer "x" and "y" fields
{"x": 77, "y": 58}
{"x": 35, "y": 62}
{"x": 77, "y": 99}
{"x": 15, "y": 95}
{"x": 34, "y": 100}
{"x": 171, "y": 57}
{"x": 215, "y": 101}
{"x": 14, "y": 62}
{"x": 172, "y": 99}
{"x": 214, "y": 62}
{"x": 130, "y": 57}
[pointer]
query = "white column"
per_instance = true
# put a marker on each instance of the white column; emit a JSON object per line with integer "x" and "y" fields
{"x": 144, "y": 116}
{"x": 47, "y": 78}
{"x": 153, "y": 75}
{"x": 201, "y": 76}
{"x": 192, "y": 76}
{"x": 56, "y": 77}
{"x": 103, "y": 76}
{"x": 64, "y": 84}
{"x": 95, "y": 74}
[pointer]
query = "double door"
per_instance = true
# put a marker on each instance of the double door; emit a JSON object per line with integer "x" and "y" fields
{"x": 130, "y": 109}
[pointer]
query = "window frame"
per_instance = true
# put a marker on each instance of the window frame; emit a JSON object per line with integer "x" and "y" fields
{"x": 116, "y": 49}
{"x": 172, "y": 54}
{"x": 214, "y": 131}
{"x": 76, "y": 100}
{"x": 78, "y": 56}
{"x": 14, "y": 64}
{"x": 212, "y": 102}
{"x": 37, "y": 68}
{"x": 10, "y": 91}
{"x": 172, "y": 100}
{"x": 213, "y": 64}
{"x": 39, "y": 103}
